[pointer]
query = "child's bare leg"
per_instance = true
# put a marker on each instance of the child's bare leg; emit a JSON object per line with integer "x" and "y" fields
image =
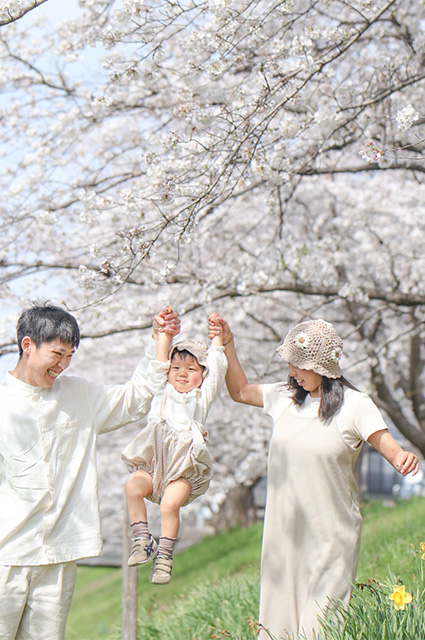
{"x": 144, "y": 546}
{"x": 138, "y": 487}
{"x": 175, "y": 495}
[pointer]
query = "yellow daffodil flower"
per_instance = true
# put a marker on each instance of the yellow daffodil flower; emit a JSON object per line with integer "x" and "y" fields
{"x": 423, "y": 550}
{"x": 400, "y": 597}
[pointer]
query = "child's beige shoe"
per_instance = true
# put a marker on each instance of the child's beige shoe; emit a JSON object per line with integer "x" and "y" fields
{"x": 161, "y": 571}
{"x": 142, "y": 550}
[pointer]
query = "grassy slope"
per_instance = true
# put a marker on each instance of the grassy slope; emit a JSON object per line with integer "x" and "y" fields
{"x": 98, "y": 590}
{"x": 387, "y": 535}
{"x": 95, "y": 614}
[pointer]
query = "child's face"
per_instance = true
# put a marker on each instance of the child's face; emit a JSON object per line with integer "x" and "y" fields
{"x": 185, "y": 374}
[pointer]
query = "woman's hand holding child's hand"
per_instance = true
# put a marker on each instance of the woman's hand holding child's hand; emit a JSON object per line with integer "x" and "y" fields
{"x": 216, "y": 324}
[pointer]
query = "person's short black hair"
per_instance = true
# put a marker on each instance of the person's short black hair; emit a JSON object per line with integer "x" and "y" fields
{"x": 44, "y": 323}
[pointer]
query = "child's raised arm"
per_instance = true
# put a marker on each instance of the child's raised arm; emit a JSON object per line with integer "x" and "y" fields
{"x": 163, "y": 346}
{"x": 165, "y": 331}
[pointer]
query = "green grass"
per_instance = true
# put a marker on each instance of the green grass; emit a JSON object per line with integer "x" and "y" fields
{"x": 96, "y": 608}
{"x": 387, "y": 535}
{"x": 215, "y": 583}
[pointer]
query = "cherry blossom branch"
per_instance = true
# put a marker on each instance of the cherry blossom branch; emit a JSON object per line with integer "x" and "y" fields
{"x": 12, "y": 10}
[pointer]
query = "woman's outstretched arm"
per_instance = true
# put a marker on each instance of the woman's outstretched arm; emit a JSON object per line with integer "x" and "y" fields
{"x": 404, "y": 461}
{"x": 236, "y": 381}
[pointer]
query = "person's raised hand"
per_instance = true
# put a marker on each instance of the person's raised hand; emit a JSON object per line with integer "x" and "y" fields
{"x": 215, "y": 322}
{"x": 166, "y": 321}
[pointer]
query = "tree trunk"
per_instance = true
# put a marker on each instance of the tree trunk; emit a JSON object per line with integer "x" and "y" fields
{"x": 237, "y": 510}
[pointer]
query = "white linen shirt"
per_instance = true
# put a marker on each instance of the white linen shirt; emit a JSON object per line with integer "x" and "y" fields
{"x": 49, "y": 510}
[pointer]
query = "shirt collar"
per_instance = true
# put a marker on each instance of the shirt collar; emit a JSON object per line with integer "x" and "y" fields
{"x": 178, "y": 396}
{"x": 19, "y": 384}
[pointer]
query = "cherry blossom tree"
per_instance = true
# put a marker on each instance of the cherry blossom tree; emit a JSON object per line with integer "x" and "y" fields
{"x": 261, "y": 158}
{"x": 12, "y": 10}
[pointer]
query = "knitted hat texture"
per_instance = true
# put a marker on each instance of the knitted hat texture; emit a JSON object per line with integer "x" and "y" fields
{"x": 313, "y": 345}
{"x": 197, "y": 349}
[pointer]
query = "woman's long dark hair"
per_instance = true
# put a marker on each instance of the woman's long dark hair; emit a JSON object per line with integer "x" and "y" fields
{"x": 331, "y": 395}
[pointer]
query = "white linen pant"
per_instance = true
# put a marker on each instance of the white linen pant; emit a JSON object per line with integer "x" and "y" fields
{"x": 35, "y": 601}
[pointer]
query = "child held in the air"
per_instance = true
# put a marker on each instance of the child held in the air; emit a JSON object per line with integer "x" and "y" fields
{"x": 169, "y": 458}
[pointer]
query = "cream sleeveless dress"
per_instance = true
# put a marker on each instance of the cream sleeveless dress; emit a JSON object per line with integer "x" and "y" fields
{"x": 312, "y": 521}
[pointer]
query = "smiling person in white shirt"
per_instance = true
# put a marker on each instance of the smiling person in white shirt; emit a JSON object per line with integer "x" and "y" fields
{"x": 48, "y": 482}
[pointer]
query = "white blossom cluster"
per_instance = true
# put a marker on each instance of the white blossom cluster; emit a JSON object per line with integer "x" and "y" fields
{"x": 406, "y": 117}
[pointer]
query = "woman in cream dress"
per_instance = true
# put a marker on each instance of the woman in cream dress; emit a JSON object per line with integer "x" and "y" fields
{"x": 312, "y": 521}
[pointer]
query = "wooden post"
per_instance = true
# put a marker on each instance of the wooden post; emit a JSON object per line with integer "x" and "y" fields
{"x": 129, "y": 588}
